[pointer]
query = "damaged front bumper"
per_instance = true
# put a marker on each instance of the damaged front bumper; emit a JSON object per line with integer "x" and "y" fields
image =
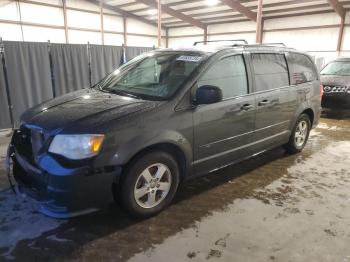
{"x": 60, "y": 191}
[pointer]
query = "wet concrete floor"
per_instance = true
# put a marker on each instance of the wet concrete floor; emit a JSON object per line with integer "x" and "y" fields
{"x": 274, "y": 207}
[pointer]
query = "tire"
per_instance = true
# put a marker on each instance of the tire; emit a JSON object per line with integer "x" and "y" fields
{"x": 295, "y": 144}
{"x": 140, "y": 194}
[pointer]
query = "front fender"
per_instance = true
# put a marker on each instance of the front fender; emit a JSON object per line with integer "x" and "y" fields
{"x": 125, "y": 152}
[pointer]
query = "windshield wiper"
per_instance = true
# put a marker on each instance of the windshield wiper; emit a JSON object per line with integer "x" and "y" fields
{"x": 117, "y": 92}
{"x": 123, "y": 93}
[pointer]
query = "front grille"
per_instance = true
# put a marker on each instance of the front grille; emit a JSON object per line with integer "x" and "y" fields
{"x": 336, "y": 89}
{"x": 28, "y": 143}
{"x": 23, "y": 143}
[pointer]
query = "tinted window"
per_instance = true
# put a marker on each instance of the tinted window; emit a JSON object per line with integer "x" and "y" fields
{"x": 339, "y": 68}
{"x": 302, "y": 69}
{"x": 229, "y": 74}
{"x": 270, "y": 71}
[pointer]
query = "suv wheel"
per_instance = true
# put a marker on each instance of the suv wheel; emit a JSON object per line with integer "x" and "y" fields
{"x": 150, "y": 183}
{"x": 300, "y": 134}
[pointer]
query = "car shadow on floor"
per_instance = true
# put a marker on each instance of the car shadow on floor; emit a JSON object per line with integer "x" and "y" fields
{"x": 115, "y": 234}
{"x": 338, "y": 114}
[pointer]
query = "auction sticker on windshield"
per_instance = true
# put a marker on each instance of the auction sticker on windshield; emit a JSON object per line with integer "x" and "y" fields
{"x": 188, "y": 58}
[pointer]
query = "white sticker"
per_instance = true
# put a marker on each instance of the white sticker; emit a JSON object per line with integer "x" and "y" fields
{"x": 189, "y": 58}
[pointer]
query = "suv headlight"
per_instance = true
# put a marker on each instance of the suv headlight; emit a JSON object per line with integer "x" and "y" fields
{"x": 76, "y": 146}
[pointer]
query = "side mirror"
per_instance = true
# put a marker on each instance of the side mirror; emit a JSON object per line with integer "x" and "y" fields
{"x": 208, "y": 95}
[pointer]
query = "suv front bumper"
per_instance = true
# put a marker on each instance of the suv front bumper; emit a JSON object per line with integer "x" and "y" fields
{"x": 58, "y": 191}
{"x": 336, "y": 100}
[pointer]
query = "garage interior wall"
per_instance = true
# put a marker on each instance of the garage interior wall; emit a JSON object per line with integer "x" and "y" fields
{"x": 17, "y": 23}
{"x": 81, "y": 22}
{"x": 316, "y": 34}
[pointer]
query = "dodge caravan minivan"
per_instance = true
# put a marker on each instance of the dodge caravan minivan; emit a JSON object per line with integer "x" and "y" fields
{"x": 164, "y": 117}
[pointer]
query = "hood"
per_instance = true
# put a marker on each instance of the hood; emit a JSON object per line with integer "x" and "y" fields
{"x": 333, "y": 80}
{"x": 83, "y": 110}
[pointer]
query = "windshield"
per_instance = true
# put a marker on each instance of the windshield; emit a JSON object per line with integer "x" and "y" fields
{"x": 339, "y": 68}
{"x": 154, "y": 76}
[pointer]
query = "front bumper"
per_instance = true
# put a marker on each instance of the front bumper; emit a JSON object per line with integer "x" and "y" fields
{"x": 336, "y": 100}
{"x": 59, "y": 191}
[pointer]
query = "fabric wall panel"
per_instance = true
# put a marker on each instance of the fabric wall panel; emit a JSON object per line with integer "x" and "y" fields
{"x": 28, "y": 70}
{"x": 5, "y": 121}
{"x": 70, "y": 67}
{"x": 104, "y": 59}
{"x": 132, "y": 51}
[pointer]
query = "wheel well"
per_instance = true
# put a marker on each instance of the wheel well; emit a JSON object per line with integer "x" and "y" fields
{"x": 310, "y": 113}
{"x": 171, "y": 149}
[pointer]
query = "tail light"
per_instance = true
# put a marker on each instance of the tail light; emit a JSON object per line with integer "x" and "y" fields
{"x": 321, "y": 90}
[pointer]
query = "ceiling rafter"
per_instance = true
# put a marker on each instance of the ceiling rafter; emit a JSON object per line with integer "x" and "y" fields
{"x": 284, "y": 10}
{"x": 237, "y": 6}
{"x": 123, "y": 12}
{"x": 338, "y": 7}
{"x": 203, "y": 11}
{"x": 174, "y": 13}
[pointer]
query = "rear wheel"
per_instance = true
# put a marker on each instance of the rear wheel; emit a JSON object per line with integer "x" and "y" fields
{"x": 300, "y": 134}
{"x": 149, "y": 184}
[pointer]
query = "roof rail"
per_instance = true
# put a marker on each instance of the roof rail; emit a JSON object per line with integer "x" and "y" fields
{"x": 274, "y": 44}
{"x": 214, "y": 41}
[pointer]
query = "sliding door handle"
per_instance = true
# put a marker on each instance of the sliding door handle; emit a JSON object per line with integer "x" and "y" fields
{"x": 264, "y": 102}
{"x": 247, "y": 107}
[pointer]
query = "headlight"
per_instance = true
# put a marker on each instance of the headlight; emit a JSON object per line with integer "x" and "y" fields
{"x": 76, "y": 146}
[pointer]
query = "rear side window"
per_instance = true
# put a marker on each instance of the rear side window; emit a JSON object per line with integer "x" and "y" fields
{"x": 229, "y": 74}
{"x": 270, "y": 71}
{"x": 302, "y": 69}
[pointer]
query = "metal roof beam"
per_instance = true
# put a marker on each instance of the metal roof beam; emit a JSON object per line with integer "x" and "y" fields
{"x": 237, "y": 6}
{"x": 123, "y": 12}
{"x": 174, "y": 13}
{"x": 338, "y": 7}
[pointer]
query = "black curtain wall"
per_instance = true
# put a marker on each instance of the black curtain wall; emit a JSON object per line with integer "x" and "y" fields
{"x": 133, "y": 51}
{"x": 40, "y": 71}
{"x": 70, "y": 68}
{"x": 5, "y": 121}
{"x": 103, "y": 60}
{"x": 28, "y": 72}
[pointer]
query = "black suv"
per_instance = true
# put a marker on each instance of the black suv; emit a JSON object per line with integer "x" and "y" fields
{"x": 335, "y": 78}
{"x": 162, "y": 118}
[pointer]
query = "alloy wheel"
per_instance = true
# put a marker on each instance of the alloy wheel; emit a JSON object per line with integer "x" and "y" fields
{"x": 152, "y": 185}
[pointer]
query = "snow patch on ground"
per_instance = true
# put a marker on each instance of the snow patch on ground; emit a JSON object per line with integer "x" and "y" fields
{"x": 5, "y": 132}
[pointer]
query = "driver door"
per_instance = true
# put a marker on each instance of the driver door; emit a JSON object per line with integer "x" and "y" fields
{"x": 224, "y": 130}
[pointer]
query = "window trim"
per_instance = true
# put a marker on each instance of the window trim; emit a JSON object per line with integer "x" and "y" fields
{"x": 218, "y": 60}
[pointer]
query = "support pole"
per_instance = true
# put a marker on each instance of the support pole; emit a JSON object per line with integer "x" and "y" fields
{"x": 102, "y": 26}
{"x": 205, "y": 35}
{"x": 64, "y": 4}
{"x": 7, "y": 86}
{"x": 20, "y": 17}
{"x": 259, "y": 23}
{"x": 341, "y": 34}
{"x": 89, "y": 63}
{"x": 51, "y": 69}
{"x": 159, "y": 23}
{"x": 125, "y": 32}
{"x": 167, "y": 37}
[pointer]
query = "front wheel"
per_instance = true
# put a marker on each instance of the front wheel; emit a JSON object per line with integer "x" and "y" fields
{"x": 300, "y": 134}
{"x": 149, "y": 184}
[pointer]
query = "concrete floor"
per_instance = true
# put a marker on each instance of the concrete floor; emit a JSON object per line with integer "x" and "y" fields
{"x": 274, "y": 207}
